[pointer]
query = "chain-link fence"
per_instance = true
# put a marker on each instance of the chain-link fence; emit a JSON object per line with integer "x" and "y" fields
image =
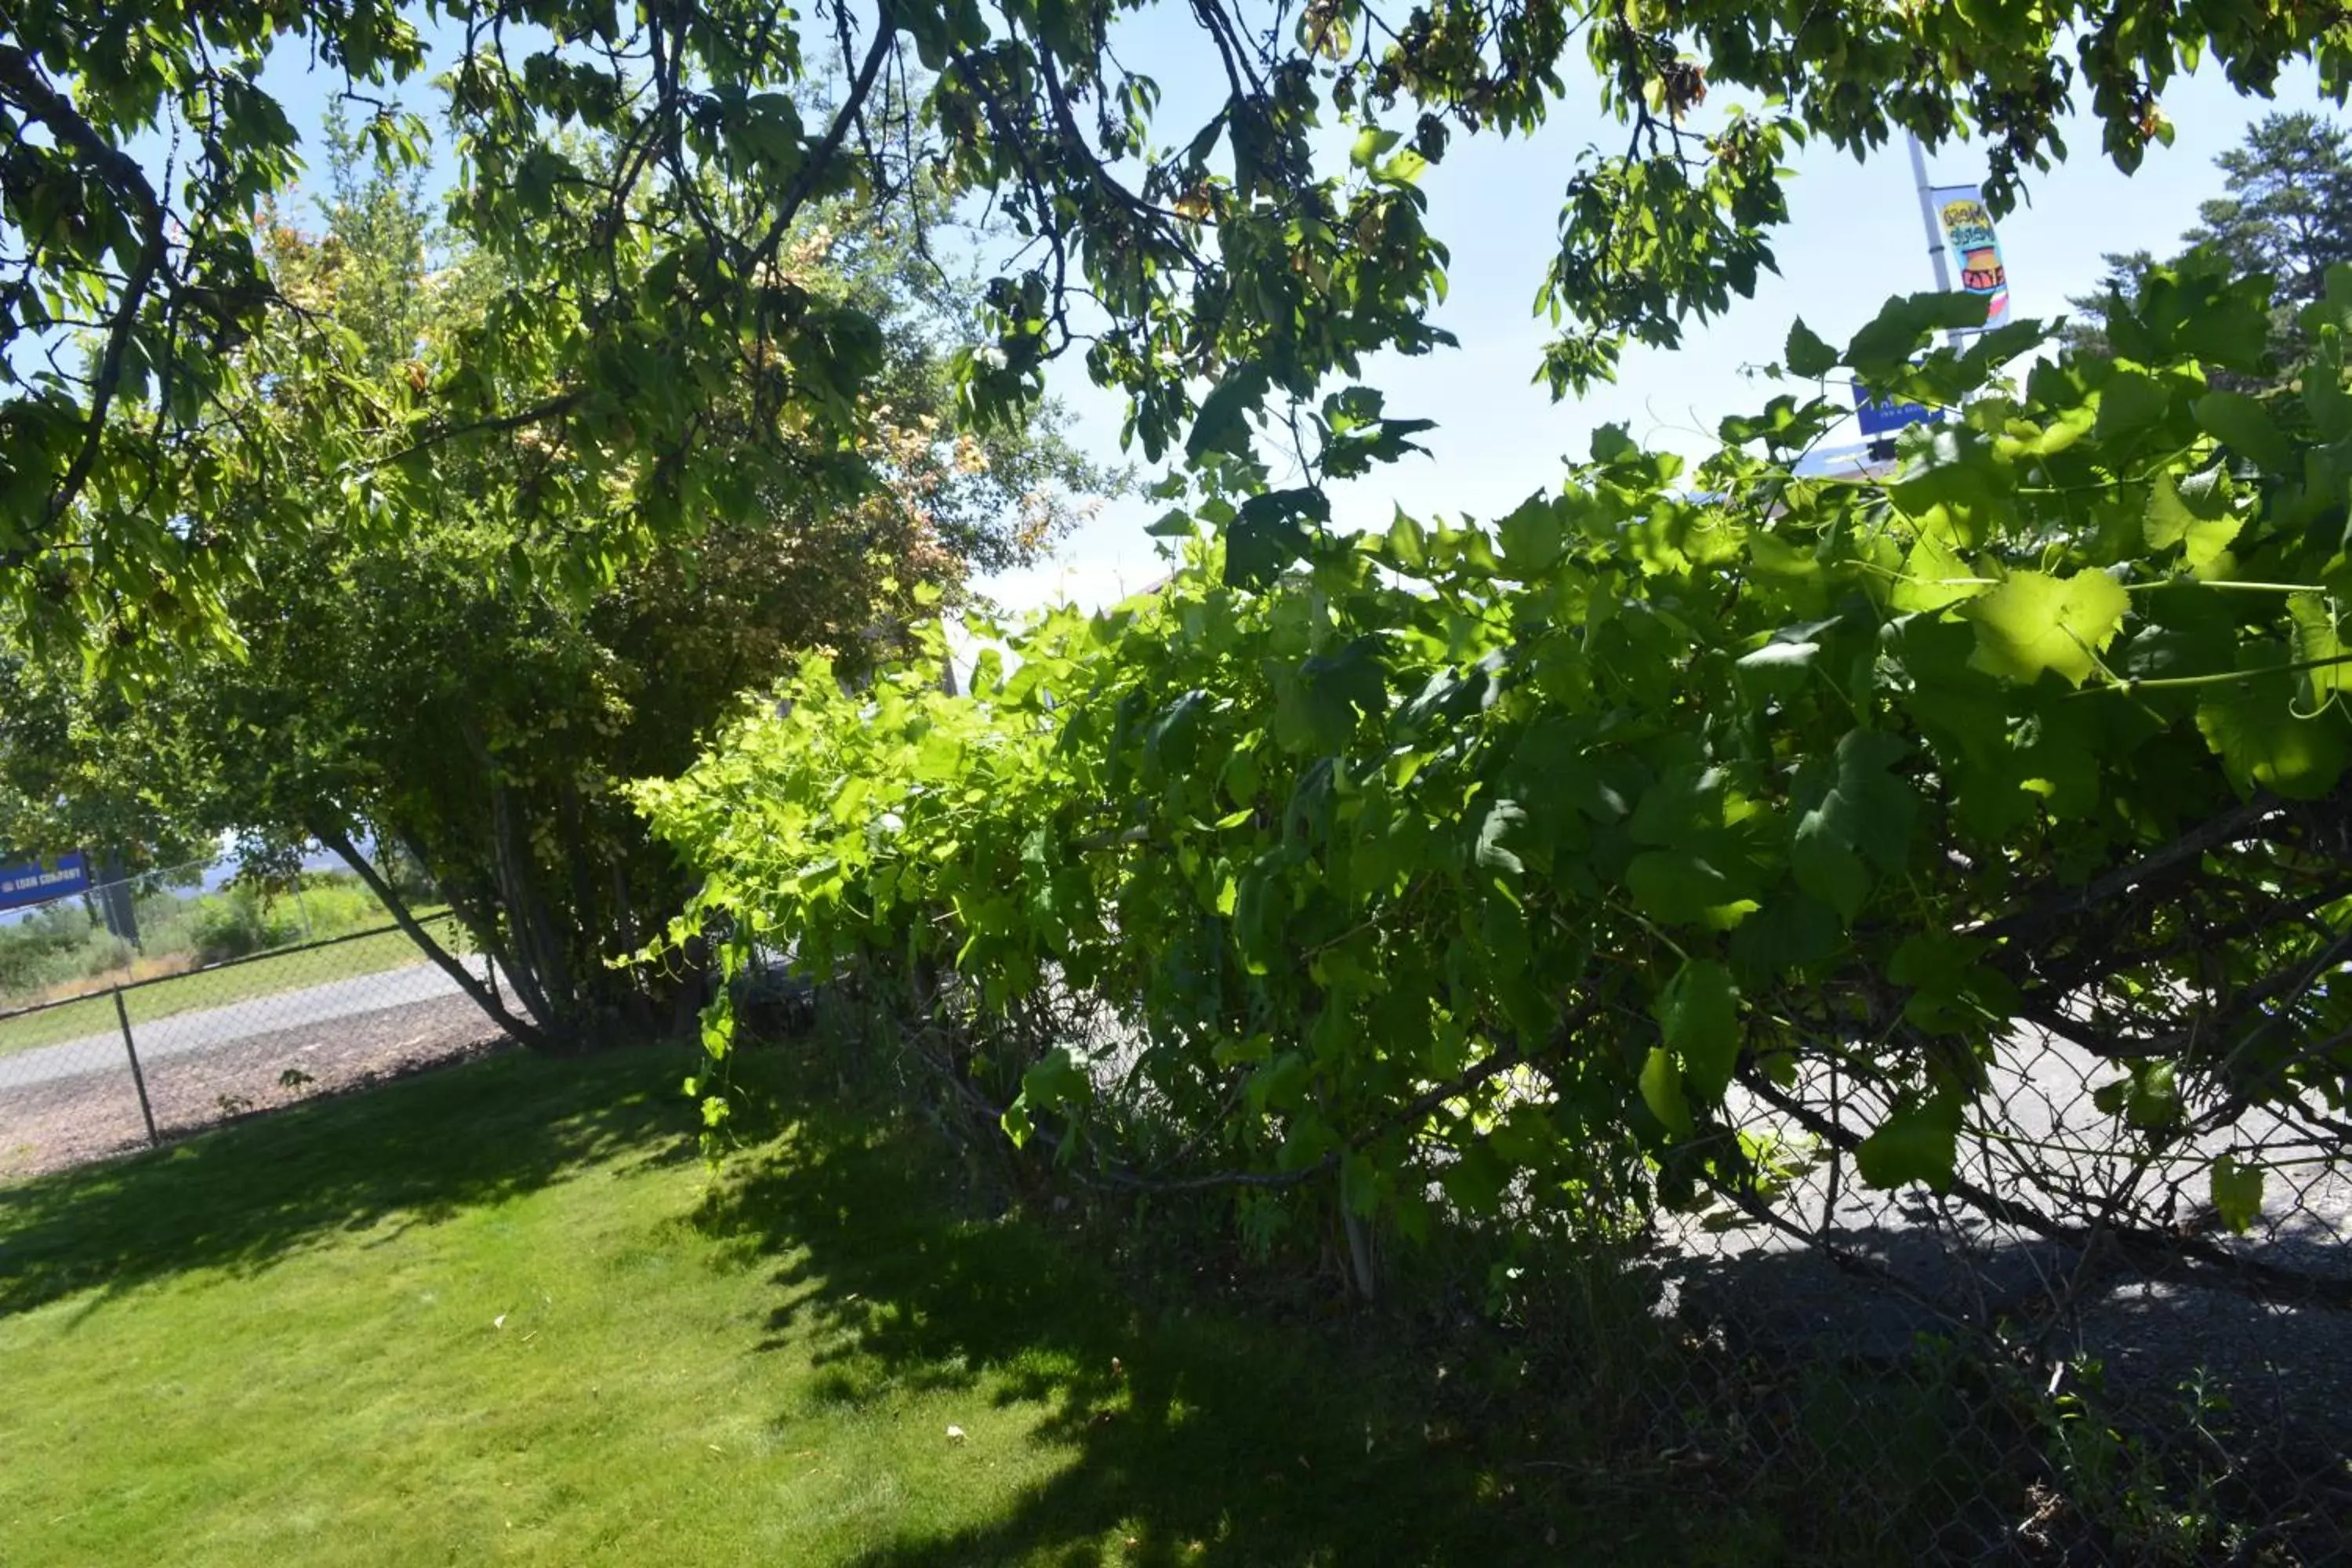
{"x": 175, "y": 1000}
{"x": 2073, "y": 1354}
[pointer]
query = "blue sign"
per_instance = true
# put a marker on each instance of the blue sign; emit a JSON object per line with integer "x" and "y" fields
{"x": 33, "y": 882}
{"x": 1880, "y": 417}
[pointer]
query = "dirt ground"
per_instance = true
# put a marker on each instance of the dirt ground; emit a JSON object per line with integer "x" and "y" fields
{"x": 70, "y": 1121}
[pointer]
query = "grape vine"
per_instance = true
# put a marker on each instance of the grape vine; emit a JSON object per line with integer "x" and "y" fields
{"x": 1479, "y": 864}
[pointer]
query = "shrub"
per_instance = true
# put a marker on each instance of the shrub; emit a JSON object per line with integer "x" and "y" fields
{"x": 48, "y": 948}
{"x": 240, "y": 921}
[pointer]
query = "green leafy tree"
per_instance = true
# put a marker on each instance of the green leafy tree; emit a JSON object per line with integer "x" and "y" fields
{"x": 636, "y": 172}
{"x": 73, "y": 776}
{"x": 468, "y": 691}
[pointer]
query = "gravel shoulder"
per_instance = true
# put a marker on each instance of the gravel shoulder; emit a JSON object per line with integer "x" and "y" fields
{"x": 94, "y": 1114}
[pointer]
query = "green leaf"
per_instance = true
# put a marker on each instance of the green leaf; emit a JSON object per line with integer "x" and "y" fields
{"x": 1951, "y": 991}
{"x": 2245, "y": 426}
{"x": 1935, "y": 575}
{"x": 1676, "y": 886}
{"x": 2194, "y": 511}
{"x": 1824, "y": 862}
{"x": 1789, "y": 935}
{"x": 2316, "y": 636}
{"x": 1261, "y": 903}
{"x": 2251, "y": 723}
{"x": 1903, "y": 325}
{"x": 1223, "y": 424}
{"x": 1408, "y": 543}
{"x": 719, "y": 1025}
{"x": 1866, "y": 809}
{"x": 1532, "y": 537}
{"x": 1317, "y": 705}
{"x": 1281, "y": 1083}
{"x": 1265, "y": 536}
{"x": 1807, "y": 355}
{"x": 1919, "y": 1143}
{"x": 1698, "y": 1012}
{"x": 2034, "y": 621}
{"x": 1662, "y": 1091}
{"x": 1874, "y": 805}
{"x": 1406, "y": 168}
{"x": 1501, "y": 818}
{"x": 2324, "y": 393}
{"x": 2130, "y": 401}
{"x": 2237, "y": 1194}
{"x": 2154, "y": 1101}
{"x": 1478, "y": 1180}
{"x": 1056, "y": 1082}
{"x": 1372, "y": 144}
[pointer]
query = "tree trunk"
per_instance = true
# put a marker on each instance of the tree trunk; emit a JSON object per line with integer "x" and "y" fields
{"x": 476, "y": 904}
{"x": 1363, "y": 1258}
{"x": 586, "y": 916}
{"x": 542, "y": 967}
{"x": 483, "y": 997}
{"x": 542, "y": 972}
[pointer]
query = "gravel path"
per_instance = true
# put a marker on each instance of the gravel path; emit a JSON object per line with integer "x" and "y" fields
{"x": 2278, "y": 1365}
{"x": 60, "y": 1121}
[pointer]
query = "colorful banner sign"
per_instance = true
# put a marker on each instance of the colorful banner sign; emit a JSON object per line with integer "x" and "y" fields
{"x": 1976, "y": 252}
{"x": 33, "y": 882}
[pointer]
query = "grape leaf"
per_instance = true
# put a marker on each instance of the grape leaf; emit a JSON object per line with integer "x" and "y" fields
{"x": 2318, "y": 636}
{"x": 1807, "y": 355}
{"x": 1266, "y": 535}
{"x": 1223, "y": 424}
{"x": 2252, "y": 724}
{"x": 1698, "y": 1012}
{"x": 1919, "y": 1143}
{"x": 2246, "y": 427}
{"x": 1662, "y": 1091}
{"x": 2194, "y": 511}
{"x": 2237, "y": 1193}
{"x": 2034, "y": 621}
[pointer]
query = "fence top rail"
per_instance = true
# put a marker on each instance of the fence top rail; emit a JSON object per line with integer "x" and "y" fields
{"x": 13, "y": 1014}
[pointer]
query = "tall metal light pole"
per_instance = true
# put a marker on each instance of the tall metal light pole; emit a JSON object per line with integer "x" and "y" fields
{"x": 1933, "y": 224}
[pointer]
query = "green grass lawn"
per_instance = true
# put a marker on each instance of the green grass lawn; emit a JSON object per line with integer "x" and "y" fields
{"x": 219, "y": 987}
{"x": 498, "y": 1314}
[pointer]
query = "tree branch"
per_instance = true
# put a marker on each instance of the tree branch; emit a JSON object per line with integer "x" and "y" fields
{"x": 812, "y": 168}
{"x": 22, "y": 76}
{"x": 2210, "y": 835}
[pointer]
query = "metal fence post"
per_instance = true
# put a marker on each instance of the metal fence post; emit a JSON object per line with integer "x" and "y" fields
{"x": 138, "y": 1079}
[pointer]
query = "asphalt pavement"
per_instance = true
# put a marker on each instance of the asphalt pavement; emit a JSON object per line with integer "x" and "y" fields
{"x": 206, "y": 1027}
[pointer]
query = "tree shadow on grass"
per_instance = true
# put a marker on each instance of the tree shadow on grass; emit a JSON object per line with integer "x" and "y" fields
{"x": 1193, "y": 1435}
{"x": 415, "y": 1151}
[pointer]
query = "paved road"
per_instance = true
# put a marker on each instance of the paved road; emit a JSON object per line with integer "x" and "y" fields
{"x": 194, "y": 1031}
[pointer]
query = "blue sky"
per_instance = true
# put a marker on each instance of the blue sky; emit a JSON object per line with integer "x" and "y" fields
{"x": 1853, "y": 238}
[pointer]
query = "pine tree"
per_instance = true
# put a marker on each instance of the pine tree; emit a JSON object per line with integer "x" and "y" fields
{"x": 2287, "y": 214}
{"x": 2289, "y": 208}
